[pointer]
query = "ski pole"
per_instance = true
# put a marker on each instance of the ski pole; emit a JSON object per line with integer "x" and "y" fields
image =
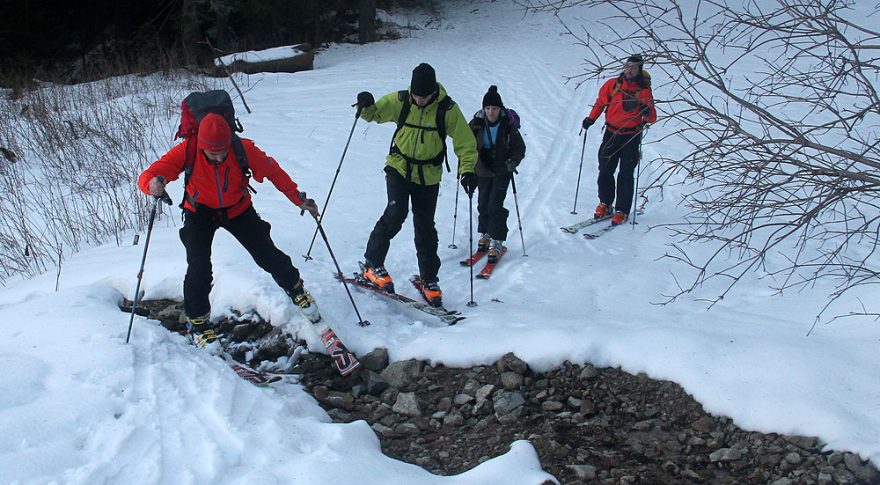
{"x": 638, "y": 174}
{"x": 156, "y": 199}
{"x": 518, "y": 219}
{"x": 471, "y": 303}
{"x": 361, "y": 321}
{"x": 357, "y": 115}
{"x": 455, "y": 214}
{"x": 578, "y": 186}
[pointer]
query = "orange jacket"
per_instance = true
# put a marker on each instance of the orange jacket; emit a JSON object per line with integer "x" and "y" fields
{"x": 624, "y": 104}
{"x": 220, "y": 186}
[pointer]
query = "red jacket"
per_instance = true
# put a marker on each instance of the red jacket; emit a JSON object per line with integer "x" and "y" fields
{"x": 624, "y": 103}
{"x": 220, "y": 186}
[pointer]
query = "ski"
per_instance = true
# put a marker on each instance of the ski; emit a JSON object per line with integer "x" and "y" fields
{"x": 574, "y": 228}
{"x": 255, "y": 377}
{"x": 345, "y": 361}
{"x": 487, "y": 270}
{"x": 478, "y": 255}
{"x": 608, "y": 228}
{"x": 449, "y": 317}
{"x": 599, "y": 232}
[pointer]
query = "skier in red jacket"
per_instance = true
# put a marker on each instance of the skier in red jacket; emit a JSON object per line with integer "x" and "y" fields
{"x": 629, "y": 106}
{"x": 217, "y": 196}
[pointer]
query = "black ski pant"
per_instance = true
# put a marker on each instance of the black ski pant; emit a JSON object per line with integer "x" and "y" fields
{"x": 618, "y": 149}
{"x": 492, "y": 216}
{"x": 424, "y": 204}
{"x": 250, "y": 230}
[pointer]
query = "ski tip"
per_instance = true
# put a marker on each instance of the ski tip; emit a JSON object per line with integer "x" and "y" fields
{"x": 348, "y": 370}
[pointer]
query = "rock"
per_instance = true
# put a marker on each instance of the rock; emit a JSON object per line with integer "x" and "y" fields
{"x": 793, "y": 458}
{"x": 588, "y": 408}
{"x": 471, "y": 386}
{"x": 782, "y": 481}
{"x": 406, "y": 429}
{"x": 574, "y": 402}
{"x": 339, "y": 400}
{"x": 407, "y": 404}
{"x": 862, "y": 472}
{"x": 803, "y": 442}
{"x": 834, "y": 458}
{"x": 843, "y": 477}
{"x": 383, "y": 430}
{"x": 375, "y": 384}
{"x": 375, "y": 360}
{"x": 483, "y": 393}
{"x": 584, "y": 472}
{"x": 402, "y": 374}
{"x": 506, "y": 401}
{"x": 645, "y": 426}
{"x": 462, "y": 399}
{"x": 725, "y": 454}
{"x": 551, "y": 406}
{"x": 589, "y": 373}
{"x": 704, "y": 424}
{"x": 511, "y": 380}
{"x": 511, "y": 418}
{"x": 453, "y": 419}
{"x": 512, "y": 363}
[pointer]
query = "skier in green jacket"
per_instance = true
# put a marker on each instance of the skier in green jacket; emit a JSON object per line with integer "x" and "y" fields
{"x": 425, "y": 115}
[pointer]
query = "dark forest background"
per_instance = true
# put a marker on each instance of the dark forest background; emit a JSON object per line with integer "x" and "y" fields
{"x": 69, "y": 41}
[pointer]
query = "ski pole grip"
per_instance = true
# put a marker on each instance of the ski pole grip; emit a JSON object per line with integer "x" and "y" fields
{"x": 302, "y": 196}
{"x": 164, "y": 197}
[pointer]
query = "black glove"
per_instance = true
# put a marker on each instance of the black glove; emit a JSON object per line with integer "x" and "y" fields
{"x": 511, "y": 166}
{"x": 469, "y": 183}
{"x": 588, "y": 122}
{"x": 646, "y": 110}
{"x": 365, "y": 99}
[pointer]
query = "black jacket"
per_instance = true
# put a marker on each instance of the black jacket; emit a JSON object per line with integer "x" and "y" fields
{"x": 509, "y": 145}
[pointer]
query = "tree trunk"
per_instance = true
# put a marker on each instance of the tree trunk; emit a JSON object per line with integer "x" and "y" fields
{"x": 367, "y": 21}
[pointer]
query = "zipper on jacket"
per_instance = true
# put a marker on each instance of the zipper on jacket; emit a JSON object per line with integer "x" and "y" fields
{"x": 226, "y": 180}
{"x": 419, "y": 133}
{"x": 219, "y": 191}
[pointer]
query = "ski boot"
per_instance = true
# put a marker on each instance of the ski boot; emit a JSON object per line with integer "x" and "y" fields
{"x": 431, "y": 292}
{"x": 201, "y": 332}
{"x": 305, "y": 302}
{"x": 376, "y": 275}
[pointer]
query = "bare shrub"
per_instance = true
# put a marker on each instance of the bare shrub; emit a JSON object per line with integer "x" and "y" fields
{"x": 775, "y": 109}
{"x": 74, "y": 154}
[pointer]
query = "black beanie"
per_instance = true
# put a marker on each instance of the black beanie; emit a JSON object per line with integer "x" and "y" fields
{"x": 492, "y": 98}
{"x": 424, "y": 80}
{"x": 635, "y": 58}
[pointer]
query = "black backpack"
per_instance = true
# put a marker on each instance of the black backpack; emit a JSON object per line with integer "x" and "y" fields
{"x": 443, "y": 106}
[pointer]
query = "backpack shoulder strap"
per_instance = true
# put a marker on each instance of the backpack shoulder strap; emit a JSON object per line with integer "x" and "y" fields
{"x": 403, "y": 96}
{"x": 445, "y": 105}
{"x": 241, "y": 155}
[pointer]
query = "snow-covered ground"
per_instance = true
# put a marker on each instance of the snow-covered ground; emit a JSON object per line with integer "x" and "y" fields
{"x": 78, "y": 405}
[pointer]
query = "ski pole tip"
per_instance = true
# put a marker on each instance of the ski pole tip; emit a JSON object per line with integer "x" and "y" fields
{"x": 471, "y": 303}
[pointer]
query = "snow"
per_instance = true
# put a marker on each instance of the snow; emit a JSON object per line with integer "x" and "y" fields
{"x": 264, "y": 55}
{"x": 78, "y": 405}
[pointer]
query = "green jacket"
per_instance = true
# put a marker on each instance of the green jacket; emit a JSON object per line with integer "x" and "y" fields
{"x": 424, "y": 144}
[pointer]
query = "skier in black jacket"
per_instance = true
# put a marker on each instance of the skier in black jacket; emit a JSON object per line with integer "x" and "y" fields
{"x": 501, "y": 149}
